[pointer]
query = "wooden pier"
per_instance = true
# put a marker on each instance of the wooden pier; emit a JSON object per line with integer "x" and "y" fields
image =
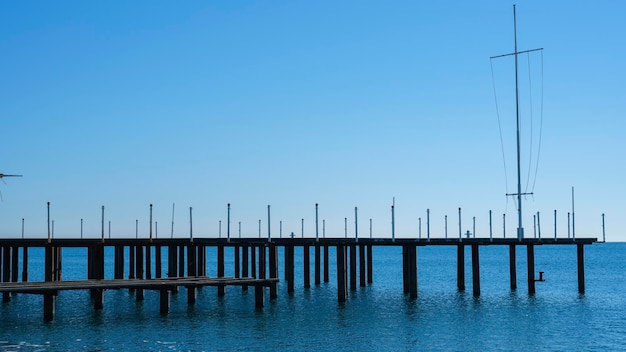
{"x": 256, "y": 264}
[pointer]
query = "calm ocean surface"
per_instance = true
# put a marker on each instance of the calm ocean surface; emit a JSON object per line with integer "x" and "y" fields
{"x": 378, "y": 317}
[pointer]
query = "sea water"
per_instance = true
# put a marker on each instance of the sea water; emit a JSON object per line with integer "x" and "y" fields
{"x": 377, "y": 317}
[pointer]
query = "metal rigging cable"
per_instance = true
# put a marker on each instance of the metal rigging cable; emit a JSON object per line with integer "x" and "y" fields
{"x": 495, "y": 95}
{"x": 540, "y": 126}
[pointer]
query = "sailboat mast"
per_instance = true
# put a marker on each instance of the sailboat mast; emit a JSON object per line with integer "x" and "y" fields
{"x": 520, "y": 229}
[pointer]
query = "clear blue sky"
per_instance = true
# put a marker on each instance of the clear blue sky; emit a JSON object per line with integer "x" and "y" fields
{"x": 292, "y": 103}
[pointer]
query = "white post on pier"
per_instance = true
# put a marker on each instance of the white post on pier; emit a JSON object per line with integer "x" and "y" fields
{"x": 269, "y": 237}
{"x": 81, "y": 229}
{"x": 446, "y": 226}
{"x": 603, "y": 230}
{"x": 345, "y": 227}
{"x": 460, "y": 231}
{"x": 136, "y": 228}
{"x": 393, "y": 220}
{"x": 419, "y": 226}
{"x": 370, "y": 227}
{"x": 428, "y": 224}
{"x": 538, "y": 226}
{"x": 23, "y": 225}
{"x": 49, "y": 234}
{"x": 504, "y": 225}
{"x": 490, "y": 228}
{"x": 239, "y": 229}
{"x": 190, "y": 224}
{"x": 150, "y": 221}
{"x": 303, "y": 228}
{"x": 356, "y": 225}
{"x": 474, "y": 227}
{"x": 568, "y": 225}
{"x": 317, "y": 232}
{"x": 324, "y": 228}
{"x": 102, "y": 232}
{"x": 573, "y": 223}
{"x": 555, "y": 224}
{"x": 228, "y": 223}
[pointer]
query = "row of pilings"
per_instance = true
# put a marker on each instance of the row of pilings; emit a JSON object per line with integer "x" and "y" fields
{"x": 186, "y": 258}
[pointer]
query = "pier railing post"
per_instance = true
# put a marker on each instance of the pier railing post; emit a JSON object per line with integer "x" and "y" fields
{"x": 306, "y": 250}
{"x": 370, "y": 266}
{"x": 318, "y": 263}
{"x": 362, "y": 268}
{"x": 221, "y": 290}
{"x": 244, "y": 264}
{"x": 352, "y": 266}
{"x": 326, "y": 264}
{"x": 273, "y": 270}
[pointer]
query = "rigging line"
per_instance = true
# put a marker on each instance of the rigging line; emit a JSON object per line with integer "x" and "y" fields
{"x": 540, "y": 125}
{"x": 530, "y": 98}
{"x": 493, "y": 81}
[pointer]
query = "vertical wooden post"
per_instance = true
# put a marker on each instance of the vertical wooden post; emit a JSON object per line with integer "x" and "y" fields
{"x": 370, "y": 266}
{"x": 221, "y": 290}
{"x": 581, "y": 267}
{"x": 405, "y": 269}
{"x": 48, "y": 297}
{"x": 342, "y": 292}
{"x": 164, "y": 301}
{"x": 273, "y": 270}
{"x": 476, "y": 269}
{"x": 117, "y": 263}
{"x": 318, "y": 263}
{"x": 14, "y": 265}
{"x": 253, "y": 261}
{"x": 306, "y": 250}
{"x": 326, "y": 264}
{"x": 157, "y": 262}
{"x": 460, "y": 267}
{"x": 353, "y": 266}
{"x": 58, "y": 257}
{"x": 6, "y": 271}
{"x": 25, "y": 264}
{"x": 413, "y": 271}
{"x": 148, "y": 262}
{"x": 530, "y": 255}
{"x": 191, "y": 272}
{"x": 237, "y": 262}
{"x": 131, "y": 264}
{"x": 512, "y": 266}
{"x": 181, "y": 261}
{"x": 362, "y": 267}
{"x": 259, "y": 290}
{"x": 244, "y": 264}
{"x": 139, "y": 270}
{"x": 172, "y": 264}
{"x": 290, "y": 268}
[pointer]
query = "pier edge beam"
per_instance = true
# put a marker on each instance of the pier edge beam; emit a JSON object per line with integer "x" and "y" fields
{"x": 580, "y": 253}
